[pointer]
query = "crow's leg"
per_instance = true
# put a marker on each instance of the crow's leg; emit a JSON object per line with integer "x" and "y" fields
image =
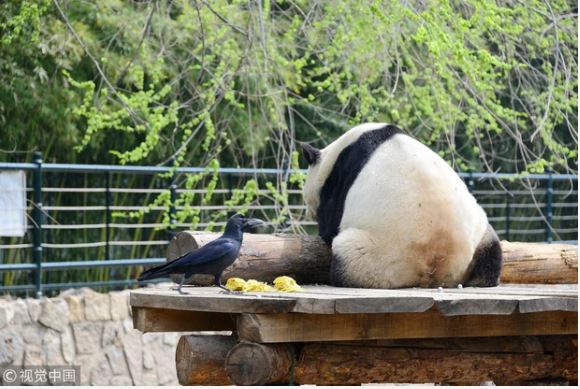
{"x": 181, "y": 284}
{"x": 218, "y": 282}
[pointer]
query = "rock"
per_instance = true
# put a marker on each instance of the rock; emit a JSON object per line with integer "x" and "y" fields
{"x": 148, "y": 360}
{"x": 165, "y": 358}
{"x": 170, "y": 338}
{"x": 75, "y": 292}
{"x": 151, "y": 337}
{"x": 128, "y": 325}
{"x": 121, "y": 381}
{"x": 11, "y": 348}
{"x": 6, "y": 313}
{"x": 134, "y": 356}
{"x": 102, "y": 374}
{"x": 117, "y": 360}
{"x": 112, "y": 333}
{"x": 54, "y": 314}
{"x": 34, "y": 308}
{"x": 87, "y": 336}
{"x": 21, "y": 315}
{"x": 68, "y": 345}
{"x": 149, "y": 378}
{"x": 33, "y": 333}
{"x": 97, "y": 306}
{"x": 87, "y": 363}
{"x": 52, "y": 348}
{"x": 120, "y": 305}
{"x": 76, "y": 311}
{"x": 33, "y": 355}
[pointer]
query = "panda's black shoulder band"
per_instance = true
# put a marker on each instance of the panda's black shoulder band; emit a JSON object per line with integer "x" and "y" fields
{"x": 350, "y": 162}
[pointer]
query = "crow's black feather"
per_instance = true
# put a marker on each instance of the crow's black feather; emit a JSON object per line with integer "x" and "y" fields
{"x": 213, "y": 258}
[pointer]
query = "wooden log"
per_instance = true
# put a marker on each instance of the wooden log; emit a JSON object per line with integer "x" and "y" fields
{"x": 147, "y": 319}
{"x": 300, "y": 327}
{"x": 307, "y": 259}
{"x": 258, "y": 364}
{"x": 200, "y": 359}
{"x": 539, "y": 263}
{"x": 330, "y": 364}
{"x": 503, "y": 360}
{"x": 263, "y": 257}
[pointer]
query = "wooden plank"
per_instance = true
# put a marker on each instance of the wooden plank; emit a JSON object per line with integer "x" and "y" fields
{"x": 356, "y": 300}
{"x": 563, "y": 290}
{"x": 169, "y": 320}
{"x": 383, "y": 304}
{"x": 210, "y": 299}
{"x": 450, "y": 306}
{"x": 548, "y": 304}
{"x": 297, "y": 327}
{"x": 330, "y": 300}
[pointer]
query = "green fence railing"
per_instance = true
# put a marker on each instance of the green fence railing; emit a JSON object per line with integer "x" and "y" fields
{"x": 534, "y": 207}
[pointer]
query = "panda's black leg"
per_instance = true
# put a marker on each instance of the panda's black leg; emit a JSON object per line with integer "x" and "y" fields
{"x": 487, "y": 262}
{"x": 336, "y": 278}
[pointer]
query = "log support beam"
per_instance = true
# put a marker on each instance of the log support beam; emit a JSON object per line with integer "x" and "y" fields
{"x": 300, "y": 327}
{"x": 259, "y": 364}
{"x": 213, "y": 360}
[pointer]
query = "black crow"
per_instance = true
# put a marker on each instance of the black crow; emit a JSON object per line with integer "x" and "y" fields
{"x": 212, "y": 258}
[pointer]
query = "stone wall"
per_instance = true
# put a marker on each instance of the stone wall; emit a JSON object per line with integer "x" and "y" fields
{"x": 87, "y": 329}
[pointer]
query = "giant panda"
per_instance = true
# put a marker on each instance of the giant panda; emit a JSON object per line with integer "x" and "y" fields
{"x": 396, "y": 214}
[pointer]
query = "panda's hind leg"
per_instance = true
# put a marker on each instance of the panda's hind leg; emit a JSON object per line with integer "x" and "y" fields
{"x": 487, "y": 261}
{"x": 350, "y": 249}
{"x": 361, "y": 260}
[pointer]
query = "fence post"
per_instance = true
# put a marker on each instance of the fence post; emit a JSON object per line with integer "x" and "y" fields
{"x": 549, "y": 213}
{"x": 172, "y": 200}
{"x": 37, "y": 217}
{"x": 507, "y": 213}
{"x": 230, "y": 185}
{"x": 107, "y": 215}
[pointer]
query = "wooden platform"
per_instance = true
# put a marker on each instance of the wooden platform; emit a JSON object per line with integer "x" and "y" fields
{"x": 324, "y": 313}
{"x": 511, "y": 334}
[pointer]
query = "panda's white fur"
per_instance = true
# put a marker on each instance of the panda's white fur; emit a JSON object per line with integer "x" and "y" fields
{"x": 408, "y": 219}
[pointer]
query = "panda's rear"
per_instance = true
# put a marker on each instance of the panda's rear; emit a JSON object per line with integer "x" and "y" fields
{"x": 397, "y": 215}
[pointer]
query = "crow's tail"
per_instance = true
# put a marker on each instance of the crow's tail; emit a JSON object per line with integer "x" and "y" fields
{"x": 156, "y": 272}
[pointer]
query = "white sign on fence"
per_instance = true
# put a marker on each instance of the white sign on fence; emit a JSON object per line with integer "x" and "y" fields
{"x": 12, "y": 203}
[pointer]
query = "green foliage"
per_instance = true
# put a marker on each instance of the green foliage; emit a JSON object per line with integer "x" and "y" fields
{"x": 490, "y": 85}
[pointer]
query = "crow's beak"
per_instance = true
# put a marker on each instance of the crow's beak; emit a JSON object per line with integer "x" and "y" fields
{"x": 251, "y": 224}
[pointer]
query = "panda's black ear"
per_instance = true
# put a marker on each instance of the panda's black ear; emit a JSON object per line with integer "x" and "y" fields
{"x": 311, "y": 154}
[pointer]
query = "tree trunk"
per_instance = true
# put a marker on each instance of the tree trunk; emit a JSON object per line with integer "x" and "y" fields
{"x": 307, "y": 259}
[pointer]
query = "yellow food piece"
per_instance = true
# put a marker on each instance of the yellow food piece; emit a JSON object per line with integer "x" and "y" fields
{"x": 256, "y": 286}
{"x": 286, "y": 284}
{"x": 236, "y": 284}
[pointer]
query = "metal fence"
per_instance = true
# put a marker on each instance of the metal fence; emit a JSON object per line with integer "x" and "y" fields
{"x": 75, "y": 232}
